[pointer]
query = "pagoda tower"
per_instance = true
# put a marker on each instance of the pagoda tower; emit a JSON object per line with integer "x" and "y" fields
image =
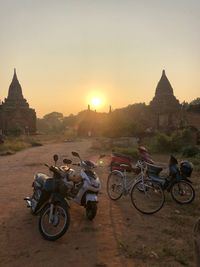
{"x": 15, "y": 111}
{"x": 165, "y": 107}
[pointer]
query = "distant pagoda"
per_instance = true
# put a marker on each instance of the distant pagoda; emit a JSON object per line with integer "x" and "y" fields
{"x": 15, "y": 113}
{"x": 164, "y": 105}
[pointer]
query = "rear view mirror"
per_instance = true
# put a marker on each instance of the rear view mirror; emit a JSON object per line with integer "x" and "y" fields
{"x": 67, "y": 161}
{"x": 75, "y": 154}
{"x": 55, "y": 158}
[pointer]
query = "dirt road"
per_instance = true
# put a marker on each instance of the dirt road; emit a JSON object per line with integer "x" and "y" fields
{"x": 119, "y": 235}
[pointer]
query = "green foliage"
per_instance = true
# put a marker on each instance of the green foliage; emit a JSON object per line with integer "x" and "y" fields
{"x": 195, "y": 161}
{"x": 194, "y": 105}
{"x": 191, "y": 151}
{"x": 171, "y": 143}
{"x": 133, "y": 152}
{"x": 163, "y": 142}
{"x": 15, "y": 144}
{"x": 195, "y": 101}
{"x": 129, "y": 121}
{"x": 51, "y": 123}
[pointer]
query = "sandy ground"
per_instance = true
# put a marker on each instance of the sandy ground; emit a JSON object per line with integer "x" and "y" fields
{"x": 118, "y": 236}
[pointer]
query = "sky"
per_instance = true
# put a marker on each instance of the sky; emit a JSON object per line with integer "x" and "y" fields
{"x": 67, "y": 51}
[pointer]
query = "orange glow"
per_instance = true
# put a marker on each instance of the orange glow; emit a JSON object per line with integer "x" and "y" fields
{"x": 96, "y": 102}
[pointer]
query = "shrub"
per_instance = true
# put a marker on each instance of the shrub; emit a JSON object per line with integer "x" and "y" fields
{"x": 173, "y": 143}
{"x": 127, "y": 151}
{"x": 190, "y": 151}
{"x": 160, "y": 143}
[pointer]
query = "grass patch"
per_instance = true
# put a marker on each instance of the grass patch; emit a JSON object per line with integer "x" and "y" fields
{"x": 12, "y": 145}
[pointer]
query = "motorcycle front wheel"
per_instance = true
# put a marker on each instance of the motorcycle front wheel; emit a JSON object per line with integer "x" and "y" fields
{"x": 91, "y": 210}
{"x": 56, "y": 226}
{"x": 182, "y": 192}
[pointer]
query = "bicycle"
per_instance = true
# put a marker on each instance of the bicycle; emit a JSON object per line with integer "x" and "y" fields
{"x": 147, "y": 196}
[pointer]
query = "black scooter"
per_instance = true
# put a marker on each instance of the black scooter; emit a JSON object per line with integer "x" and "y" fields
{"x": 177, "y": 182}
{"x": 48, "y": 201}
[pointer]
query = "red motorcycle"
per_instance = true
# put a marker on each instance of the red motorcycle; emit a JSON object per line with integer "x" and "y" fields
{"x": 117, "y": 159}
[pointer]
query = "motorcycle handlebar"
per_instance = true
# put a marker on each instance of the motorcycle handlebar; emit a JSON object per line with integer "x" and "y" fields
{"x": 52, "y": 168}
{"x": 76, "y": 164}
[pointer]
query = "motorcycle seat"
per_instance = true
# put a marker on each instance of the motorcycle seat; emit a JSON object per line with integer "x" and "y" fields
{"x": 158, "y": 179}
{"x": 41, "y": 178}
{"x": 152, "y": 168}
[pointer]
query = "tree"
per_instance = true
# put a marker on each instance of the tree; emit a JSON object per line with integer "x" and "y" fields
{"x": 51, "y": 123}
{"x": 195, "y": 101}
{"x": 195, "y": 105}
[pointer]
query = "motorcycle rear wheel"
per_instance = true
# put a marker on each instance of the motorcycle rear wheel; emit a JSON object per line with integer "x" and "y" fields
{"x": 61, "y": 219}
{"x": 182, "y": 192}
{"x": 91, "y": 210}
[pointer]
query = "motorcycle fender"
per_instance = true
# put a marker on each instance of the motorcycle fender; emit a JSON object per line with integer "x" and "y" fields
{"x": 91, "y": 197}
{"x": 59, "y": 198}
{"x": 187, "y": 180}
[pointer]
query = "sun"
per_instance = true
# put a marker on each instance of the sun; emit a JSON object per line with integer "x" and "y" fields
{"x": 96, "y": 101}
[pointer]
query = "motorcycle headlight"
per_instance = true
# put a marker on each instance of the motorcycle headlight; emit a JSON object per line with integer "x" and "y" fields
{"x": 95, "y": 184}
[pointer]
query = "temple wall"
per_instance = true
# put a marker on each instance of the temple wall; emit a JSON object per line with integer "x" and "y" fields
{"x": 193, "y": 119}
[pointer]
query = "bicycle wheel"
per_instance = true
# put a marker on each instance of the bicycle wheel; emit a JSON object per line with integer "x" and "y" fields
{"x": 147, "y": 196}
{"x": 115, "y": 185}
{"x": 183, "y": 192}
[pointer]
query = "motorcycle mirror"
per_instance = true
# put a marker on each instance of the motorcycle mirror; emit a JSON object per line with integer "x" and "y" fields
{"x": 67, "y": 161}
{"x": 55, "y": 158}
{"x": 173, "y": 160}
{"x": 75, "y": 154}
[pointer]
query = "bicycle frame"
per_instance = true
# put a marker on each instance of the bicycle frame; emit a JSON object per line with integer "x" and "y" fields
{"x": 128, "y": 182}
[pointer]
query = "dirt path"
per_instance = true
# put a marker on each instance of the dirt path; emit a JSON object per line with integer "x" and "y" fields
{"x": 118, "y": 237}
{"x": 85, "y": 244}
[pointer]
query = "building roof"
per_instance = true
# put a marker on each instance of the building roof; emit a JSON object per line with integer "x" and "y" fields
{"x": 164, "y": 87}
{"x": 164, "y": 100}
{"x": 15, "y": 90}
{"x": 15, "y": 96}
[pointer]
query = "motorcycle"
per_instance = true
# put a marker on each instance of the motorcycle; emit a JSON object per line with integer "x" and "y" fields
{"x": 119, "y": 159}
{"x": 177, "y": 182}
{"x": 48, "y": 201}
{"x": 85, "y": 192}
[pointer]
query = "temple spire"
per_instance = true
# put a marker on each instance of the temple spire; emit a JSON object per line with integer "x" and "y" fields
{"x": 15, "y": 75}
{"x": 164, "y": 99}
{"x": 15, "y": 90}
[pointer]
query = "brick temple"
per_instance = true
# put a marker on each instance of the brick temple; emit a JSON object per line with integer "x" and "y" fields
{"x": 15, "y": 113}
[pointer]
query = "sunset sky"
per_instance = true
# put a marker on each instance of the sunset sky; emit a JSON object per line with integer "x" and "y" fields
{"x": 68, "y": 51}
